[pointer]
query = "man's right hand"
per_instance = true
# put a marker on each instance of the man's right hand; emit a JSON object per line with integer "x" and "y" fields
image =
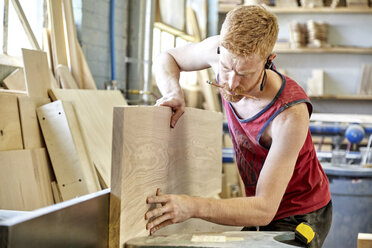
{"x": 177, "y": 104}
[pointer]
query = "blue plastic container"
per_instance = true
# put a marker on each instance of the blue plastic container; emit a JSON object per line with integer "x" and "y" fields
{"x": 351, "y": 191}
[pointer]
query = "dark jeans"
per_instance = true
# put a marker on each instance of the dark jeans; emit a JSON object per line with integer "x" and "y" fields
{"x": 320, "y": 220}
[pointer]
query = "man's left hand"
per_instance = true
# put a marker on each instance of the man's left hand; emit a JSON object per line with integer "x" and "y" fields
{"x": 173, "y": 209}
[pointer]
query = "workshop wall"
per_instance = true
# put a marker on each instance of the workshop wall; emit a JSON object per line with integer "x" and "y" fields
{"x": 92, "y": 19}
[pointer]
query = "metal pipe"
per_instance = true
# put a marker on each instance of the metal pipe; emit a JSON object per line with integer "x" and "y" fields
{"x": 112, "y": 39}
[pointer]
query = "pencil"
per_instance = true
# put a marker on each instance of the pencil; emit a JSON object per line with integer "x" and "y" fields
{"x": 214, "y": 84}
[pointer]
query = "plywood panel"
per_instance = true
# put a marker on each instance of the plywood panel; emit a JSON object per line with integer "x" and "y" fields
{"x": 24, "y": 180}
{"x": 10, "y": 127}
{"x": 16, "y": 80}
{"x": 43, "y": 174}
{"x": 13, "y": 92}
{"x": 37, "y": 73}
{"x": 73, "y": 168}
{"x": 148, "y": 154}
{"x": 65, "y": 78}
{"x": 94, "y": 110}
{"x": 57, "y": 34}
{"x": 31, "y": 133}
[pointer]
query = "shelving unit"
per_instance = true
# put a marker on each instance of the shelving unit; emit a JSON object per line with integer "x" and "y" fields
{"x": 224, "y": 8}
{"x": 350, "y": 46}
{"x": 342, "y": 50}
{"x": 343, "y": 97}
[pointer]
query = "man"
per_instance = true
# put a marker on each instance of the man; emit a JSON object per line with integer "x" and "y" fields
{"x": 268, "y": 116}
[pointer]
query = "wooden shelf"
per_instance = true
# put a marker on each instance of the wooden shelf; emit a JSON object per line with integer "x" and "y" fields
{"x": 224, "y": 8}
{"x": 345, "y": 97}
{"x": 351, "y": 50}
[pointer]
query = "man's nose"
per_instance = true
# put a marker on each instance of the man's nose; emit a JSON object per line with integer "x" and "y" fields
{"x": 234, "y": 80}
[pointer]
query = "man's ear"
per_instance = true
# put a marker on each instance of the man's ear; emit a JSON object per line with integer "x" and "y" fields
{"x": 269, "y": 61}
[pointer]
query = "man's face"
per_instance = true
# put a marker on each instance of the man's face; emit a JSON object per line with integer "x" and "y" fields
{"x": 238, "y": 74}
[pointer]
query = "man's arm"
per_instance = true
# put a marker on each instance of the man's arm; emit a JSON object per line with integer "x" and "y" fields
{"x": 288, "y": 131}
{"x": 169, "y": 64}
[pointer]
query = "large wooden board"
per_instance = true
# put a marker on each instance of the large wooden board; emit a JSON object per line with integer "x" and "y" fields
{"x": 31, "y": 133}
{"x": 25, "y": 179}
{"x": 94, "y": 110}
{"x": 37, "y": 73}
{"x": 10, "y": 127}
{"x": 148, "y": 154}
{"x": 73, "y": 168}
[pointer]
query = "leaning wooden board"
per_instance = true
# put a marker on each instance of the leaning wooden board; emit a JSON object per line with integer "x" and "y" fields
{"x": 39, "y": 78}
{"x": 148, "y": 154}
{"x": 10, "y": 127}
{"x": 94, "y": 109}
{"x": 16, "y": 80}
{"x": 31, "y": 133}
{"x": 73, "y": 168}
{"x": 25, "y": 179}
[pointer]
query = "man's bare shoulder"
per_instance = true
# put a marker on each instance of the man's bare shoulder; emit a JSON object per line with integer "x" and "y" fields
{"x": 295, "y": 115}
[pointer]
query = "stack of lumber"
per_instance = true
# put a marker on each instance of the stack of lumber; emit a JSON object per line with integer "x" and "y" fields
{"x": 55, "y": 144}
{"x": 25, "y": 171}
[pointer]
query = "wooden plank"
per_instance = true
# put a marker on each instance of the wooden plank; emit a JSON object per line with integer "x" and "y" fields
{"x": 47, "y": 47}
{"x": 65, "y": 77}
{"x": 87, "y": 78}
{"x": 43, "y": 173}
{"x": 16, "y": 80}
{"x": 57, "y": 32}
{"x": 37, "y": 73}
{"x": 148, "y": 154}
{"x": 56, "y": 193}
{"x": 75, "y": 63}
{"x": 24, "y": 180}
{"x": 31, "y": 133}
{"x": 13, "y": 92}
{"x": 74, "y": 171}
{"x": 94, "y": 110}
{"x": 25, "y": 24}
{"x": 10, "y": 127}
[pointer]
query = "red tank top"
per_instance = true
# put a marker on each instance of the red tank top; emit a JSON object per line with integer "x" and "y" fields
{"x": 308, "y": 189}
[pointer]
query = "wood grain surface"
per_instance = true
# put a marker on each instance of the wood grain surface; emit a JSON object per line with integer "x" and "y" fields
{"x": 72, "y": 166}
{"x": 148, "y": 154}
{"x": 94, "y": 109}
{"x": 25, "y": 179}
{"x": 57, "y": 34}
{"x": 10, "y": 126}
{"x": 31, "y": 133}
{"x": 38, "y": 76}
{"x": 16, "y": 80}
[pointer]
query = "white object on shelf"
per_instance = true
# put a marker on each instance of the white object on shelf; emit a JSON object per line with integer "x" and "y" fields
{"x": 315, "y": 84}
